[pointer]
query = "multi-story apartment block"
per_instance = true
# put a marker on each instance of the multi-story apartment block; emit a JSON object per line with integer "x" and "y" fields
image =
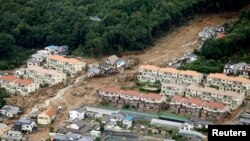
{"x": 188, "y": 77}
{"x": 134, "y": 98}
{"x": 168, "y": 75}
{"x": 44, "y": 76}
{"x": 169, "y": 89}
{"x": 229, "y": 83}
{"x": 148, "y": 73}
{"x": 230, "y": 98}
{"x": 198, "y": 108}
{"x": 13, "y": 84}
{"x": 65, "y": 65}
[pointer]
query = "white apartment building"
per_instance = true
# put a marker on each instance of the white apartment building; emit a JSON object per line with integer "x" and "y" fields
{"x": 188, "y": 77}
{"x": 44, "y": 76}
{"x": 65, "y": 65}
{"x": 170, "y": 89}
{"x": 148, "y": 73}
{"x": 12, "y": 84}
{"x": 168, "y": 75}
{"x": 230, "y": 98}
{"x": 229, "y": 83}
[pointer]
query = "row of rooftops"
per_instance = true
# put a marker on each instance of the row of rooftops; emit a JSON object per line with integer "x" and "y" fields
{"x": 222, "y": 76}
{"x": 170, "y": 70}
{"x": 194, "y": 73}
{"x": 14, "y": 79}
{"x": 63, "y": 59}
{"x": 43, "y": 70}
{"x": 115, "y": 90}
{"x": 202, "y": 89}
{"x": 199, "y": 102}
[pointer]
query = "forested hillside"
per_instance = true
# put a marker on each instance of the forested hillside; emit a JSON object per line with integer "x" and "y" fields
{"x": 116, "y": 25}
{"x": 235, "y": 46}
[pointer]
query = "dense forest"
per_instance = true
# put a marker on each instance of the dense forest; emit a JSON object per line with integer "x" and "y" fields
{"x": 235, "y": 47}
{"x": 92, "y": 26}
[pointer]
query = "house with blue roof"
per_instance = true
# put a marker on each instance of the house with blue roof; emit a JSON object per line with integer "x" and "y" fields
{"x": 57, "y": 50}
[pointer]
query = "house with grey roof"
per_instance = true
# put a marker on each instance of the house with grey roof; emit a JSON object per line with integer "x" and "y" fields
{"x": 25, "y": 125}
{"x": 12, "y": 136}
{"x": 77, "y": 114}
{"x": 116, "y": 117}
{"x": 35, "y": 60}
{"x": 112, "y": 60}
{"x": 57, "y": 50}
{"x": 190, "y": 57}
{"x": 234, "y": 68}
{"x": 70, "y": 137}
{"x": 77, "y": 125}
{"x": 93, "y": 72}
{"x": 9, "y": 111}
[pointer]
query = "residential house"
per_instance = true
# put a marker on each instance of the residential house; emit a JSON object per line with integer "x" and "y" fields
{"x": 120, "y": 63}
{"x": 57, "y": 50}
{"x": 228, "y": 83}
{"x": 95, "y": 134}
{"x": 199, "y": 108}
{"x": 35, "y": 59}
{"x": 25, "y": 125}
{"x": 209, "y": 32}
{"x": 12, "y": 136}
{"x": 12, "y": 84}
{"x": 69, "y": 136}
{"x": 239, "y": 68}
{"x": 128, "y": 120}
{"x": 170, "y": 89}
{"x": 46, "y": 117}
{"x": 44, "y": 76}
{"x": 234, "y": 68}
{"x": 9, "y": 111}
{"x": 246, "y": 71}
{"x": 116, "y": 117}
{"x": 112, "y": 60}
{"x": 20, "y": 72}
{"x": 3, "y": 128}
{"x": 93, "y": 72}
{"x": 104, "y": 66}
{"x": 229, "y": 67}
{"x": 66, "y": 65}
{"x": 190, "y": 57}
{"x": 110, "y": 125}
{"x": 77, "y": 125}
{"x": 43, "y": 53}
{"x": 148, "y": 73}
{"x": 77, "y": 114}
